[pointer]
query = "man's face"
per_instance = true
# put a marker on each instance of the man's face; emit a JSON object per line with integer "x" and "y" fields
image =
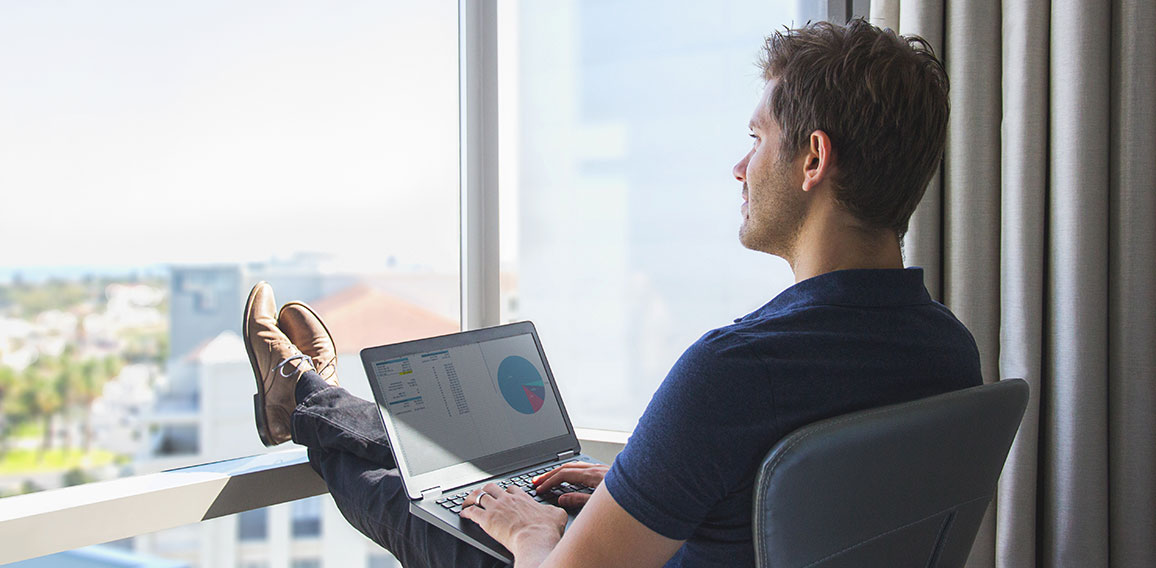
{"x": 773, "y": 200}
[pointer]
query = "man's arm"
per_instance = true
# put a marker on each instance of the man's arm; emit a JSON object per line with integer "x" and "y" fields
{"x": 604, "y": 534}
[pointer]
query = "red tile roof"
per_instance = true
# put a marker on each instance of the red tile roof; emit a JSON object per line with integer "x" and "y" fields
{"x": 360, "y": 316}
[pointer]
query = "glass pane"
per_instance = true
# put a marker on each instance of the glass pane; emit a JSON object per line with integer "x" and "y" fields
{"x": 620, "y": 124}
{"x": 157, "y": 160}
{"x": 306, "y": 515}
{"x": 253, "y": 525}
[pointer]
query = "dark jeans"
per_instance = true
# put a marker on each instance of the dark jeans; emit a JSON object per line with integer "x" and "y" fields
{"x": 349, "y": 449}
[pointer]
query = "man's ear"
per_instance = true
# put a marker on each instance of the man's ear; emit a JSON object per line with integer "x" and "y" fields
{"x": 819, "y": 160}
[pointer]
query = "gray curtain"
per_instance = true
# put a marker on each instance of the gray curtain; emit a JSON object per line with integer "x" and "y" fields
{"x": 1040, "y": 234}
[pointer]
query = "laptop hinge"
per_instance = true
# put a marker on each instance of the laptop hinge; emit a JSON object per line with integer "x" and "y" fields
{"x": 435, "y": 492}
{"x": 566, "y": 454}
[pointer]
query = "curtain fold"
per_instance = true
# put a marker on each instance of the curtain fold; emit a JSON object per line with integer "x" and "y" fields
{"x": 1024, "y": 173}
{"x": 1132, "y": 288}
{"x": 1075, "y": 399}
{"x": 1041, "y": 237}
{"x": 971, "y": 194}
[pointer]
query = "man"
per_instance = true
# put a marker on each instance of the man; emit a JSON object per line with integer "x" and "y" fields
{"x": 847, "y": 135}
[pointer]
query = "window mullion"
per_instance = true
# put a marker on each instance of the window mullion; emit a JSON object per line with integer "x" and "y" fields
{"x": 478, "y": 120}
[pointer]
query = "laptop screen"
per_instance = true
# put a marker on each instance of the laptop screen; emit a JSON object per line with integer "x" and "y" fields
{"x": 459, "y": 402}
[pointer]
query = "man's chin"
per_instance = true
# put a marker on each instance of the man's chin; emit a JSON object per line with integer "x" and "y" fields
{"x": 760, "y": 243}
{"x": 747, "y": 238}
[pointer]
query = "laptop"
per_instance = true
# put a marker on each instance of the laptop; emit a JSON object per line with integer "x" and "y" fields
{"x": 467, "y": 409}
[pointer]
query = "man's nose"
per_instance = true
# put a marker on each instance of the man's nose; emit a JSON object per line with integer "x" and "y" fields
{"x": 740, "y": 170}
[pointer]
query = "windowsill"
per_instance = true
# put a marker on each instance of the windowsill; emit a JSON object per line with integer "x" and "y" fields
{"x": 72, "y": 517}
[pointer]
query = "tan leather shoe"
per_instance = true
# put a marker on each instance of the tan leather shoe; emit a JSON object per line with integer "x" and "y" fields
{"x": 277, "y": 364}
{"x": 308, "y": 332}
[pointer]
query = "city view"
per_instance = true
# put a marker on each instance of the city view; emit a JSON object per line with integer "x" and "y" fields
{"x": 109, "y": 376}
{"x": 64, "y": 344}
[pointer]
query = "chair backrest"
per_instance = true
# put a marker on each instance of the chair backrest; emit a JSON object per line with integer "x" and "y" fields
{"x": 900, "y": 485}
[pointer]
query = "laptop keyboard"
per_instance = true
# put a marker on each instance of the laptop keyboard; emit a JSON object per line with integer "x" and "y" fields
{"x": 453, "y": 503}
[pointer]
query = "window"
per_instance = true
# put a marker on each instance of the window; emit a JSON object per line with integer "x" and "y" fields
{"x": 176, "y": 440}
{"x": 306, "y": 518}
{"x": 253, "y": 525}
{"x": 158, "y": 159}
{"x": 621, "y": 122}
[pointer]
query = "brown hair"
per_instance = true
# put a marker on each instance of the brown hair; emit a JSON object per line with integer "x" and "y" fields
{"x": 880, "y": 97}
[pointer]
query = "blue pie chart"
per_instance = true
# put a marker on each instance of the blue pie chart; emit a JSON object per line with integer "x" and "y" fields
{"x": 521, "y": 384}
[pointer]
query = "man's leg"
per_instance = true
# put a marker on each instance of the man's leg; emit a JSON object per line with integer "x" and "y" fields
{"x": 294, "y": 362}
{"x": 349, "y": 449}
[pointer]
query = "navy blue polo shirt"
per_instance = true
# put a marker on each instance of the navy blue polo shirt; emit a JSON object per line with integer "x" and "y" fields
{"x": 836, "y": 343}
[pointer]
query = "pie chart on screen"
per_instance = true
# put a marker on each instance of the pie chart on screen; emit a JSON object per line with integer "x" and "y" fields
{"x": 521, "y": 384}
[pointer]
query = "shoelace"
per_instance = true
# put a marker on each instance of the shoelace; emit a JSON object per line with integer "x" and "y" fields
{"x": 327, "y": 366}
{"x": 280, "y": 368}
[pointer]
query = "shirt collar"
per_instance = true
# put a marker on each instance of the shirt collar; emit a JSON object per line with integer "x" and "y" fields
{"x": 859, "y": 287}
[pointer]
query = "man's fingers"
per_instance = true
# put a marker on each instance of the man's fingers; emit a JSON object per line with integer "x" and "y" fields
{"x": 546, "y": 476}
{"x": 475, "y": 514}
{"x": 573, "y": 500}
{"x": 572, "y": 471}
{"x": 490, "y": 491}
{"x": 473, "y": 498}
{"x": 587, "y": 474}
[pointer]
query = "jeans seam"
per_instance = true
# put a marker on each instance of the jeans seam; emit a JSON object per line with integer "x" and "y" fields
{"x": 353, "y": 433}
{"x": 314, "y": 393}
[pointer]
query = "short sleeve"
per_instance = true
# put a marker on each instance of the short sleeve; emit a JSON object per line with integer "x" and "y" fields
{"x": 690, "y": 447}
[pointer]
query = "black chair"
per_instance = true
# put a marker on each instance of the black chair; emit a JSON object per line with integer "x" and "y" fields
{"x": 896, "y": 486}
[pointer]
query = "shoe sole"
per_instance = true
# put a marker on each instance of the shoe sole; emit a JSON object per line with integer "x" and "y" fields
{"x": 259, "y": 398}
{"x": 321, "y": 321}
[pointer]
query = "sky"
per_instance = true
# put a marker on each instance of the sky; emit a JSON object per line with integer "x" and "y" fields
{"x": 141, "y": 133}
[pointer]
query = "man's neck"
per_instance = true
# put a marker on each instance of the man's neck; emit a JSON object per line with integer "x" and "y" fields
{"x": 833, "y": 240}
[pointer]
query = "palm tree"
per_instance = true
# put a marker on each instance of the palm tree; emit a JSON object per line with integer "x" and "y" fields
{"x": 46, "y": 400}
{"x": 92, "y": 378}
{"x": 8, "y": 387}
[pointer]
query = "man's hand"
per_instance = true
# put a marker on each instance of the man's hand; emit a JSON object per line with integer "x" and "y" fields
{"x": 529, "y": 529}
{"x": 586, "y": 473}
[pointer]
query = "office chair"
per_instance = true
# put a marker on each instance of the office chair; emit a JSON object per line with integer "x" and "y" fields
{"x": 896, "y": 486}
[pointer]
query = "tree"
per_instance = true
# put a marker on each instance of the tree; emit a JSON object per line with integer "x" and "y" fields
{"x": 7, "y": 388}
{"x": 46, "y": 400}
{"x": 94, "y": 374}
{"x": 15, "y": 405}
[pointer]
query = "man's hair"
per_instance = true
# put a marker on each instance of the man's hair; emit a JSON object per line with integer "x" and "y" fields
{"x": 882, "y": 100}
